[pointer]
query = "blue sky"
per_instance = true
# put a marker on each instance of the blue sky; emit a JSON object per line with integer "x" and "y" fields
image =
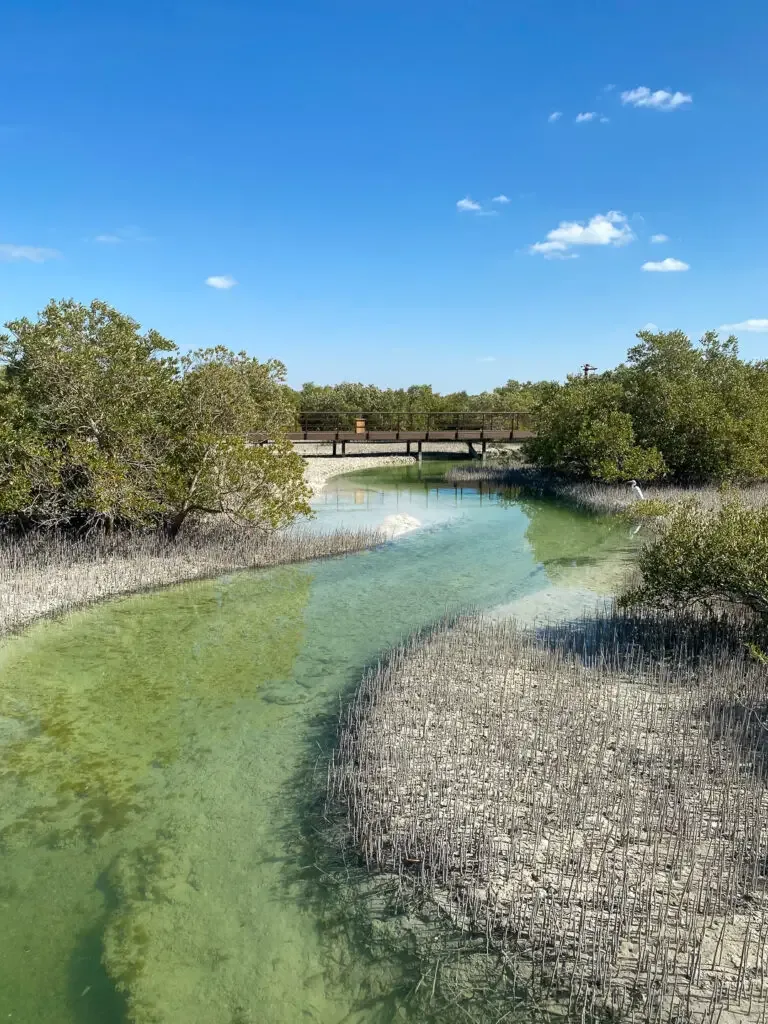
{"x": 315, "y": 153}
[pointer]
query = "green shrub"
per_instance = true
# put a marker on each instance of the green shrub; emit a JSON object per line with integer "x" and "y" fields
{"x": 704, "y": 557}
{"x": 582, "y": 431}
{"x": 702, "y": 407}
{"x": 692, "y": 413}
{"x": 101, "y": 425}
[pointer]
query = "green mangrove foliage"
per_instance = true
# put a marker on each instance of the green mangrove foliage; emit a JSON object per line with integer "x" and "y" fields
{"x": 103, "y": 426}
{"x": 388, "y": 408}
{"x": 583, "y": 432}
{"x": 703, "y": 556}
{"x": 687, "y": 412}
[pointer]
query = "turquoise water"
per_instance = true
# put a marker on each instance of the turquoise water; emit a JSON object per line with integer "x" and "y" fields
{"x": 161, "y": 854}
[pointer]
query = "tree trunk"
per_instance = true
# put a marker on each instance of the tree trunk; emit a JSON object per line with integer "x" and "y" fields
{"x": 172, "y": 525}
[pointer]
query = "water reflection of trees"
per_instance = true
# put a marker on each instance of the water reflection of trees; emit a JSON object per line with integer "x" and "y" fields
{"x": 576, "y": 549}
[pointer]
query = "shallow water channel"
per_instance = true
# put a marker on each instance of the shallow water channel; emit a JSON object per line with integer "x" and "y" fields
{"x": 159, "y": 771}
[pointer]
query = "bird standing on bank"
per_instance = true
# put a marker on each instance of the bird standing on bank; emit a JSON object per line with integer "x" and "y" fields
{"x": 636, "y": 490}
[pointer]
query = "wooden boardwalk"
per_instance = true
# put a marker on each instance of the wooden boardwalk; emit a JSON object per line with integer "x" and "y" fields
{"x": 414, "y": 429}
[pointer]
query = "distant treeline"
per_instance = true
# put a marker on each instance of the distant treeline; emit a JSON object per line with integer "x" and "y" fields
{"x": 336, "y": 406}
{"x": 675, "y": 410}
{"x": 102, "y": 426}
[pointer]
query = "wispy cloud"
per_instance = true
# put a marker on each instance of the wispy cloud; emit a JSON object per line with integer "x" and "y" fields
{"x": 651, "y": 327}
{"x": 486, "y": 359}
{"x": 31, "y": 253}
{"x": 746, "y": 327}
{"x": 555, "y": 116}
{"x": 661, "y": 99}
{"x": 603, "y": 229}
{"x": 500, "y": 199}
{"x": 667, "y": 266}
{"x": 468, "y": 205}
{"x": 604, "y": 120}
{"x": 127, "y": 234}
{"x": 222, "y": 282}
{"x": 589, "y": 115}
{"x": 656, "y": 239}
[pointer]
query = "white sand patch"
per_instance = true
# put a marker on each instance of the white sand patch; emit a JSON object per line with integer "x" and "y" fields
{"x": 398, "y": 524}
{"x": 320, "y": 470}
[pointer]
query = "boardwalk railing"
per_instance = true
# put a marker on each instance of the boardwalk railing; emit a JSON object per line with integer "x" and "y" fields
{"x": 491, "y": 425}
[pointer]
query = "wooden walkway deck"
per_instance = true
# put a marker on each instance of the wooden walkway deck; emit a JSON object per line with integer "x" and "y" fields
{"x": 469, "y": 428}
{"x": 414, "y": 428}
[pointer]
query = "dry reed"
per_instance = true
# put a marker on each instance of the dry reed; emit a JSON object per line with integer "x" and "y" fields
{"x": 603, "y": 499}
{"x": 591, "y": 798}
{"x": 49, "y": 574}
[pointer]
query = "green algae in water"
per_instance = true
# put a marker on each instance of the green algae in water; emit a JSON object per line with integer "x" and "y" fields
{"x": 96, "y": 712}
{"x": 106, "y": 702}
{"x": 171, "y": 819}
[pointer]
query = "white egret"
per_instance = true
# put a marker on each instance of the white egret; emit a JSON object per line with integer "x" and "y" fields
{"x": 636, "y": 490}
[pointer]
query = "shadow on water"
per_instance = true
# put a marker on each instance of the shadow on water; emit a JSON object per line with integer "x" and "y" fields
{"x": 93, "y": 997}
{"x": 434, "y": 974}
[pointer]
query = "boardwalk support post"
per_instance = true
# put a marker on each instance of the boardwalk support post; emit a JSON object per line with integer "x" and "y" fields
{"x": 419, "y": 451}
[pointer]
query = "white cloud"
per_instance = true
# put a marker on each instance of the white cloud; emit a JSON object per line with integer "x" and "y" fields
{"x": 661, "y": 99}
{"x": 667, "y": 266}
{"x": 589, "y": 115}
{"x": 468, "y": 205}
{"x": 555, "y": 116}
{"x": 746, "y": 327}
{"x": 223, "y": 282}
{"x": 32, "y": 253}
{"x": 558, "y": 254}
{"x": 127, "y": 234}
{"x": 603, "y": 229}
{"x": 659, "y": 238}
{"x": 604, "y": 120}
{"x": 500, "y": 199}
{"x": 651, "y": 327}
{"x": 486, "y": 359}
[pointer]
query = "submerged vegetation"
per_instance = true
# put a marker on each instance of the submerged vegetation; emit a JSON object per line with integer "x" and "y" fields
{"x": 590, "y": 798}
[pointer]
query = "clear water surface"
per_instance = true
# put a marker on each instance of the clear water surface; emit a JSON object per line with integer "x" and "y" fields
{"x": 161, "y": 859}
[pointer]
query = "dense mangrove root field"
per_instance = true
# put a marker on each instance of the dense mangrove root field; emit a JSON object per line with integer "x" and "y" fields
{"x": 163, "y": 852}
{"x": 591, "y": 797}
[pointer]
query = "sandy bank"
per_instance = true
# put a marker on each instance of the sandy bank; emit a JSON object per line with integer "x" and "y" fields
{"x": 58, "y": 576}
{"x": 319, "y": 470}
{"x": 603, "y": 823}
